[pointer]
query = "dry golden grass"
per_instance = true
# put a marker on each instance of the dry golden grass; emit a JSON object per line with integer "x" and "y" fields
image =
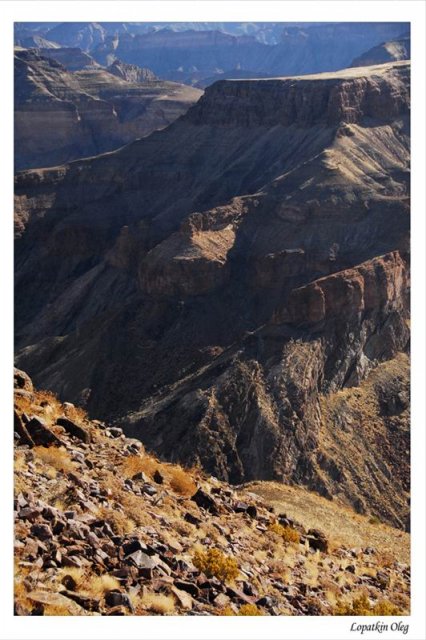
{"x": 136, "y": 464}
{"x": 20, "y": 593}
{"x": 44, "y": 395}
{"x": 226, "y": 611}
{"x": 51, "y": 407}
{"x": 181, "y": 481}
{"x": 340, "y": 524}
{"x": 24, "y": 405}
{"x": 20, "y": 463}
{"x": 119, "y": 522}
{"x": 402, "y": 601}
{"x": 98, "y": 585}
{"x": 158, "y": 603}
{"x": 59, "y": 504}
{"x": 361, "y": 606}
{"x": 76, "y": 414}
{"x": 331, "y": 597}
{"x": 77, "y": 574}
{"x": 249, "y": 610}
{"x": 56, "y": 610}
{"x": 259, "y": 555}
{"x": 135, "y": 509}
{"x": 244, "y": 610}
{"x": 21, "y": 484}
{"x": 385, "y": 558}
{"x": 56, "y": 457}
{"x": 311, "y": 573}
{"x": 182, "y": 527}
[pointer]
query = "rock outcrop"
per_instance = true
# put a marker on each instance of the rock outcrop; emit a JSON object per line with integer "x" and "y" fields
{"x": 208, "y": 285}
{"x": 379, "y": 285}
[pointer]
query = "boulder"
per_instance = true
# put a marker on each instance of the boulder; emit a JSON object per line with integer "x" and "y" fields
{"x": 183, "y": 598}
{"x": 22, "y": 380}
{"x": 203, "y": 500}
{"x": 41, "y": 531}
{"x": 188, "y": 587}
{"x": 41, "y": 434}
{"x": 21, "y": 430}
{"x": 317, "y": 540}
{"x": 115, "y": 598}
{"x": 74, "y": 429}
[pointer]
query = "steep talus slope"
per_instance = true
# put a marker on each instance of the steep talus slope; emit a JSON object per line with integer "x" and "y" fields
{"x": 104, "y": 528}
{"x": 60, "y": 115}
{"x": 208, "y": 285}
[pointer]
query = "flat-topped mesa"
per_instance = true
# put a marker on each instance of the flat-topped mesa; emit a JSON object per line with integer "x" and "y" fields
{"x": 352, "y": 95}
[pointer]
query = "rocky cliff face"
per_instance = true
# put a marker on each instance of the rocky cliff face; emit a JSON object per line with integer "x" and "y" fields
{"x": 60, "y": 116}
{"x": 215, "y": 286}
{"x": 342, "y": 97}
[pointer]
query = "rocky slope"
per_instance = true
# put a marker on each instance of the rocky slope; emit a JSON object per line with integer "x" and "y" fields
{"x": 215, "y": 286}
{"x": 60, "y": 115}
{"x": 398, "y": 49}
{"x": 102, "y": 527}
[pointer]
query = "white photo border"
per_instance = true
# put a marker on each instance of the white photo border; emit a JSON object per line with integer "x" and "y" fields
{"x": 214, "y": 627}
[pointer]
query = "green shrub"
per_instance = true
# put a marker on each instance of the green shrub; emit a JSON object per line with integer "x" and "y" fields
{"x": 213, "y": 562}
{"x": 361, "y": 606}
{"x": 288, "y": 534}
{"x": 249, "y": 610}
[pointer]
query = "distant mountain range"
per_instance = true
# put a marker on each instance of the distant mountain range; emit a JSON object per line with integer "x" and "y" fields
{"x": 192, "y": 52}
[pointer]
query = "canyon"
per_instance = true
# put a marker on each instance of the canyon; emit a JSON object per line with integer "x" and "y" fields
{"x": 233, "y": 290}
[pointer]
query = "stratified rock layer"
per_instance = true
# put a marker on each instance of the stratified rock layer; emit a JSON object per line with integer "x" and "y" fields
{"x": 208, "y": 285}
{"x": 60, "y": 116}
